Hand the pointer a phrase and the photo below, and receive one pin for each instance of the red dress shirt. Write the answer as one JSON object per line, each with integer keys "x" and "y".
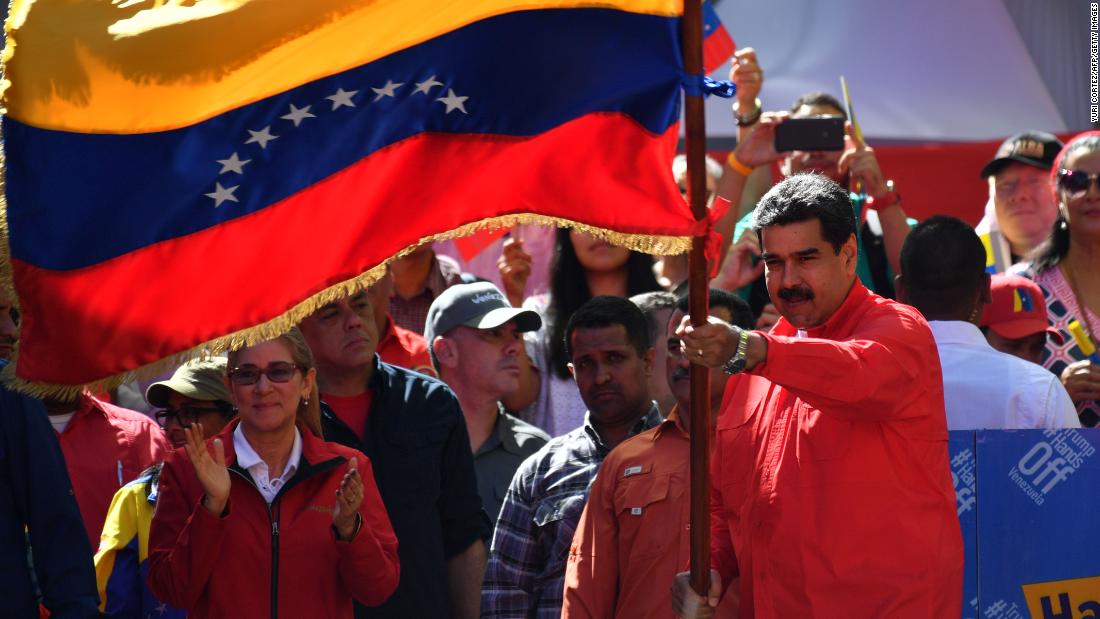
{"x": 832, "y": 492}
{"x": 405, "y": 348}
{"x": 105, "y": 447}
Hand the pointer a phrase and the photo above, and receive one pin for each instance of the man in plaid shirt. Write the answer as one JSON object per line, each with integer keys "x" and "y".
{"x": 608, "y": 343}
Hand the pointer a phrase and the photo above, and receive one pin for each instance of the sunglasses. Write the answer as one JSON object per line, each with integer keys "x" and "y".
{"x": 1076, "y": 182}
{"x": 185, "y": 415}
{"x": 278, "y": 372}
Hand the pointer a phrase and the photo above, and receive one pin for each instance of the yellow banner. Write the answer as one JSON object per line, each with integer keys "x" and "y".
{"x": 1078, "y": 598}
{"x": 133, "y": 66}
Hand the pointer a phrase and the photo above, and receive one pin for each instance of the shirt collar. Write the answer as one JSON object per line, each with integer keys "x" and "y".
{"x": 503, "y": 435}
{"x": 673, "y": 421}
{"x": 650, "y": 420}
{"x": 956, "y": 332}
{"x": 388, "y": 333}
{"x": 247, "y": 458}
{"x": 506, "y": 432}
{"x": 87, "y": 404}
{"x": 843, "y": 314}
{"x": 500, "y": 435}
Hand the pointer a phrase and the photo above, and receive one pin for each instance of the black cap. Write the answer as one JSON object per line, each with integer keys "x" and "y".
{"x": 1033, "y": 148}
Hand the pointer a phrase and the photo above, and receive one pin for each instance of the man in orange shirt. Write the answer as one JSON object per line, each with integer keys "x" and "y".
{"x": 634, "y": 534}
{"x": 831, "y": 489}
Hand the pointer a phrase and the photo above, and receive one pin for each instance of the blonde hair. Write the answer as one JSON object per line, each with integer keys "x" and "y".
{"x": 309, "y": 412}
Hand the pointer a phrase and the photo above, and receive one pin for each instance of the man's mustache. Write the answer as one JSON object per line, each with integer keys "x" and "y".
{"x": 796, "y": 294}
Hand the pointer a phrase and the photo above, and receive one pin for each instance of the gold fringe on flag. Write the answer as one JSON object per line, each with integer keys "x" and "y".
{"x": 649, "y": 244}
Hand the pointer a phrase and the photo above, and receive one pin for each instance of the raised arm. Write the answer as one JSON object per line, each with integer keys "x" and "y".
{"x": 189, "y": 523}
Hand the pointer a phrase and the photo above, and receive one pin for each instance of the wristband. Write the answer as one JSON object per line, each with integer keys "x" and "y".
{"x": 890, "y": 198}
{"x": 749, "y": 119}
{"x": 736, "y": 164}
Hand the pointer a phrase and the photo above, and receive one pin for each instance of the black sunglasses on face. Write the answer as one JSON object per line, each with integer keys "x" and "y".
{"x": 278, "y": 372}
{"x": 184, "y": 415}
{"x": 1076, "y": 182}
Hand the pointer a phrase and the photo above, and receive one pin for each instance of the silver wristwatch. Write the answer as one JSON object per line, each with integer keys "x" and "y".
{"x": 736, "y": 363}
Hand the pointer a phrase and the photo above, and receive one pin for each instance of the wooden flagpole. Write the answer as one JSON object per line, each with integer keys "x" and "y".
{"x": 695, "y": 145}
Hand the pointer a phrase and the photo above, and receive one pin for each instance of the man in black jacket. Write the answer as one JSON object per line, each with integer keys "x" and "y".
{"x": 412, "y": 429}
{"x": 37, "y": 503}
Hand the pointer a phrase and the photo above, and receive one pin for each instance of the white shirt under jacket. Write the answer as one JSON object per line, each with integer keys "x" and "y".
{"x": 248, "y": 459}
{"x": 987, "y": 389}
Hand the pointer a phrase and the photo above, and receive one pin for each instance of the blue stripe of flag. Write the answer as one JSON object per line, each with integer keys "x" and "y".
{"x": 75, "y": 200}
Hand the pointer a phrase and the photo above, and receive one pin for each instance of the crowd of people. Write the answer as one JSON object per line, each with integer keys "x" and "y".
{"x": 440, "y": 445}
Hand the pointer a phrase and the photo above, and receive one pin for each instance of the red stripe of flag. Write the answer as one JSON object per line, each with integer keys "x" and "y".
{"x": 718, "y": 45}
{"x": 177, "y": 294}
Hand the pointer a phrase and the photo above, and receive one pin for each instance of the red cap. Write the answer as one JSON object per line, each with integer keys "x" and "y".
{"x": 1018, "y": 309}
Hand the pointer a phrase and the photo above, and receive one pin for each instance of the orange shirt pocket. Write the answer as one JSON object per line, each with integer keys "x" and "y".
{"x": 646, "y": 513}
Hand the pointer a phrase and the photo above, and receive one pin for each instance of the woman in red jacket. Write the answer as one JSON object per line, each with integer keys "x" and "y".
{"x": 268, "y": 520}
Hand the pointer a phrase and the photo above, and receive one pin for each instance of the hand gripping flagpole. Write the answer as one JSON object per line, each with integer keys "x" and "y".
{"x": 695, "y": 145}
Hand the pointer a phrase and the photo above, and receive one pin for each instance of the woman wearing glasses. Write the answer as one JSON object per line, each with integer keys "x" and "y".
{"x": 196, "y": 394}
{"x": 1067, "y": 268}
{"x": 267, "y": 519}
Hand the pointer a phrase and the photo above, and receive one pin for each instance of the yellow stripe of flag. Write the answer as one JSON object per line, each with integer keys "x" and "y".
{"x": 135, "y": 66}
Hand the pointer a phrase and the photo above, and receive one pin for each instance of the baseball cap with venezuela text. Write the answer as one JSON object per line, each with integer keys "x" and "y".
{"x": 1033, "y": 148}
{"x": 480, "y": 305}
{"x": 1017, "y": 309}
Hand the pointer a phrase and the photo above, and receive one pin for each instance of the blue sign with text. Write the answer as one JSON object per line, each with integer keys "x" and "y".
{"x": 1027, "y": 502}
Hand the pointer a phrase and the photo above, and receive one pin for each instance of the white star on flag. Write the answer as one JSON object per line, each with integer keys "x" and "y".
{"x": 426, "y": 85}
{"x": 223, "y": 194}
{"x": 342, "y": 98}
{"x": 261, "y": 137}
{"x": 389, "y": 90}
{"x": 297, "y": 114}
{"x": 233, "y": 164}
{"x": 453, "y": 102}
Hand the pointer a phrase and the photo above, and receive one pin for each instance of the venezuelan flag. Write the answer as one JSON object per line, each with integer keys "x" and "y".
{"x": 181, "y": 175}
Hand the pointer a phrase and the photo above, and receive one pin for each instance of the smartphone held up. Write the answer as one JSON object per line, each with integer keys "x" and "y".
{"x": 810, "y": 134}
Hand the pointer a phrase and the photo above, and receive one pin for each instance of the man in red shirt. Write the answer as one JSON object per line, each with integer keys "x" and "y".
{"x": 397, "y": 345}
{"x": 105, "y": 446}
{"x": 831, "y": 490}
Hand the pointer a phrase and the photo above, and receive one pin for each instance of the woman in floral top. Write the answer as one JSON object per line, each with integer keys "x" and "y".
{"x": 1067, "y": 268}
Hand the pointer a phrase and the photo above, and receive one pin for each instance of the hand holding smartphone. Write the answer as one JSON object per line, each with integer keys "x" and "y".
{"x": 809, "y": 134}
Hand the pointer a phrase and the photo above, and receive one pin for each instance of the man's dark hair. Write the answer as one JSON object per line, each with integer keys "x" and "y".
{"x": 608, "y": 311}
{"x": 651, "y": 303}
{"x": 803, "y": 197}
{"x": 812, "y": 99}
{"x": 943, "y": 267}
{"x": 740, "y": 312}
